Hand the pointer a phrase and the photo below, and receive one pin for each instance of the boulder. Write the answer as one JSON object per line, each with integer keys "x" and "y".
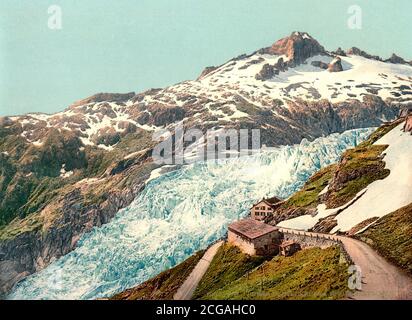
{"x": 267, "y": 72}
{"x": 320, "y": 64}
{"x": 335, "y": 65}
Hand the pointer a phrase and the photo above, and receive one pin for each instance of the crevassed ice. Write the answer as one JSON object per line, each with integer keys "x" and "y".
{"x": 176, "y": 215}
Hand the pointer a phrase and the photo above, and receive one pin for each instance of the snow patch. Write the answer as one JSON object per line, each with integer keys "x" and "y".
{"x": 384, "y": 196}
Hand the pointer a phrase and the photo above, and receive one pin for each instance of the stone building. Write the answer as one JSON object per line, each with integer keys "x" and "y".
{"x": 288, "y": 248}
{"x": 255, "y": 237}
{"x": 265, "y": 208}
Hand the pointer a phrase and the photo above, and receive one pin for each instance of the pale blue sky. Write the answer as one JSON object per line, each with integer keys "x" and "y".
{"x": 125, "y": 45}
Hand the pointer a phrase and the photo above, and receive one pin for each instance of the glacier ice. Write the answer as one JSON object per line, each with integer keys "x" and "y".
{"x": 176, "y": 215}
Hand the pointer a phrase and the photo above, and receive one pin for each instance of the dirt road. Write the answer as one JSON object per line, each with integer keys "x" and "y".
{"x": 380, "y": 279}
{"x": 185, "y": 292}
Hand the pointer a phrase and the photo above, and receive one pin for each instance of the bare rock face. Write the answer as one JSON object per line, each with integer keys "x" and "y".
{"x": 339, "y": 52}
{"x": 405, "y": 111}
{"x": 107, "y": 136}
{"x": 165, "y": 114}
{"x": 335, "y": 65}
{"x": 408, "y": 124}
{"x": 267, "y": 72}
{"x": 206, "y": 71}
{"x": 396, "y": 59}
{"x": 281, "y": 65}
{"x": 283, "y": 214}
{"x": 359, "y": 52}
{"x": 110, "y": 97}
{"x": 5, "y": 121}
{"x": 325, "y": 225}
{"x": 320, "y": 64}
{"x": 298, "y": 47}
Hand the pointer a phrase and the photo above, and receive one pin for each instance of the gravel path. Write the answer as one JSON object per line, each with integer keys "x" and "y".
{"x": 380, "y": 279}
{"x": 185, "y": 292}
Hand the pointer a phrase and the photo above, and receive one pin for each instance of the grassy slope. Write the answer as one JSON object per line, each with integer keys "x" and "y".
{"x": 309, "y": 274}
{"x": 164, "y": 285}
{"x": 391, "y": 236}
{"x": 308, "y": 196}
{"x": 228, "y": 265}
{"x": 359, "y": 158}
{"x": 363, "y": 163}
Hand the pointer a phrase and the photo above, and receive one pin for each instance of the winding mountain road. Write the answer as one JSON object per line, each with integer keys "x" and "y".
{"x": 380, "y": 279}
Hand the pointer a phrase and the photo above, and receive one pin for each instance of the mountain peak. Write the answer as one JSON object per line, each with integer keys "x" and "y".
{"x": 297, "y": 47}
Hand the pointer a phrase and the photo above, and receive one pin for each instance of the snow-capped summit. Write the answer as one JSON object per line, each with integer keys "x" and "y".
{"x": 297, "y": 47}
{"x": 293, "y": 89}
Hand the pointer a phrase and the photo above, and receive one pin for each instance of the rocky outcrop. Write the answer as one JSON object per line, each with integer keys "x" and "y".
{"x": 325, "y": 225}
{"x": 110, "y": 97}
{"x": 267, "y": 72}
{"x": 206, "y": 71}
{"x": 408, "y": 124}
{"x": 281, "y": 65}
{"x": 320, "y": 64}
{"x": 396, "y": 59}
{"x": 339, "y": 52}
{"x": 359, "y": 52}
{"x": 285, "y": 213}
{"x": 405, "y": 111}
{"x": 365, "y": 170}
{"x": 162, "y": 115}
{"x": 298, "y": 47}
{"x": 335, "y": 65}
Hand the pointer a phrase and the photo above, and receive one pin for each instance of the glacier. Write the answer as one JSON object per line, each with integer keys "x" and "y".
{"x": 177, "y": 214}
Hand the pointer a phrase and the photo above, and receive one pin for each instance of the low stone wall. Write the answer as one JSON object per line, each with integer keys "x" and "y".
{"x": 310, "y": 239}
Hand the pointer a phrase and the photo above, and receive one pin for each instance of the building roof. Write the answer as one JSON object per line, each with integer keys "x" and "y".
{"x": 270, "y": 201}
{"x": 287, "y": 243}
{"x": 251, "y": 228}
